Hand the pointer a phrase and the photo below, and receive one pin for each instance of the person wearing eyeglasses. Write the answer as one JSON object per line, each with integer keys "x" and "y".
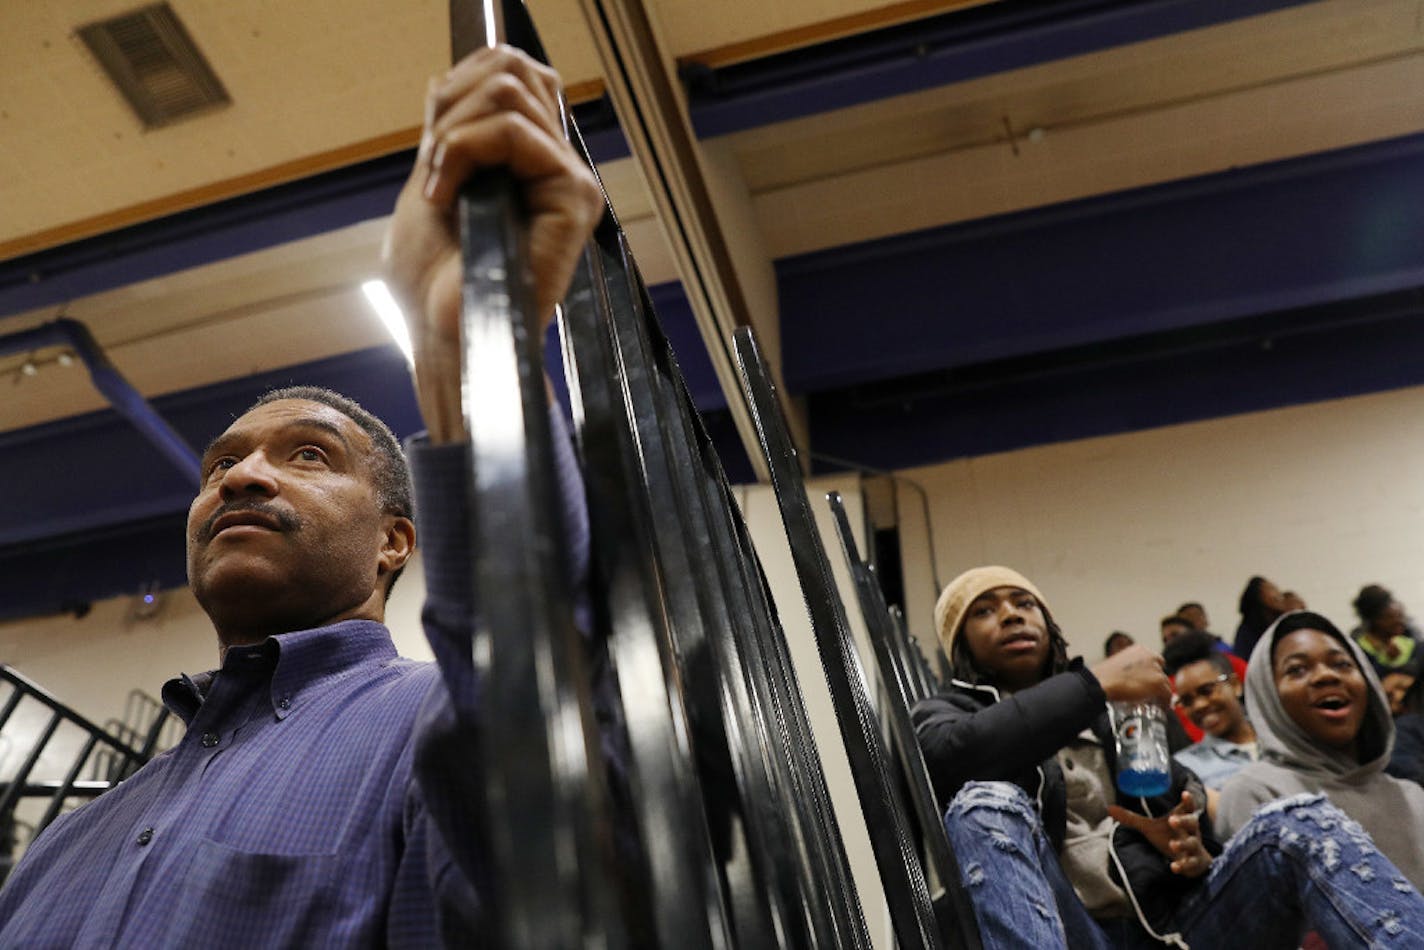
{"x": 1208, "y": 693}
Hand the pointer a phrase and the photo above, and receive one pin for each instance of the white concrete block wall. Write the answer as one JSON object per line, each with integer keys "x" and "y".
{"x": 1117, "y": 531}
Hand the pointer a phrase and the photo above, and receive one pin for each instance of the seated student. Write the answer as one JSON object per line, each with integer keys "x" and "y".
{"x": 1261, "y": 604}
{"x": 1397, "y": 687}
{"x": 1117, "y": 641}
{"x": 1209, "y": 694}
{"x": 1324, "y": 726}
{"x": 1195, "y": 614}
{"x": 1175, "y": 626}
{"x": 1053, "y": 856}
{"x": 1407, "y": 759}
{"x": 1385, "y": 634}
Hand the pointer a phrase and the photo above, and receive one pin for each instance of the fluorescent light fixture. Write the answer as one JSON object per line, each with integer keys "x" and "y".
{"x": 386, "y": 308}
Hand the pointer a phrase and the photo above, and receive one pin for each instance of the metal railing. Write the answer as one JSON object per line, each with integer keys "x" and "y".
{"x": 112, "y": 758}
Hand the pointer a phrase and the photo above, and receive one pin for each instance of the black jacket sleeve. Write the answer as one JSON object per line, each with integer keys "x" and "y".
{"x": 1407, "y": 762}
{"x": 1004, "y": 740}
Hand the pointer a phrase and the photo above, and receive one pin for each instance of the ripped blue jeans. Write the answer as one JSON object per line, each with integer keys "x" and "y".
{"x": 1299, "y": 864}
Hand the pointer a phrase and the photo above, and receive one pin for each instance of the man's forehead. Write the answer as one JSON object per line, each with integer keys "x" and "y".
{"x": 997, "y": 593}
{"x": 283, "y": 414}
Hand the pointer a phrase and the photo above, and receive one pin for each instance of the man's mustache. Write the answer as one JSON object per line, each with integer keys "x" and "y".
{"x": 283, "y": 519}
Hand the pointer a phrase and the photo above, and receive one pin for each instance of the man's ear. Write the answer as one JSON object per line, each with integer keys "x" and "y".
{"x": 398, "y": 544}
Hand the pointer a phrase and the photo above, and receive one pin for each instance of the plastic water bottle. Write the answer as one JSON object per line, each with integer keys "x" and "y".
{"x": 1142, "y": 756}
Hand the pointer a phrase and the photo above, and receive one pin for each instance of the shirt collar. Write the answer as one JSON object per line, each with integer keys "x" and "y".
{"x": 295, "y": 662}
{"x": 1222, "y": 747}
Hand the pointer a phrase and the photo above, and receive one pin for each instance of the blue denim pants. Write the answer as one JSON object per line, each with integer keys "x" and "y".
{"x": 1299, "y": 864}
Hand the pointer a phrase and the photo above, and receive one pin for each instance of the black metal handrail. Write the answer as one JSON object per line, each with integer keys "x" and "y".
{"x": 726, "y": 833}
{"x": 902, "y": 669}
{"x": 126, "y": 757}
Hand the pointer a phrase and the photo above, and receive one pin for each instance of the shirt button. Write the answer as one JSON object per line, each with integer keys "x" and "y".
{"x": 145, "y": 836}
{"x": 210, "y": 739}
{"x": 284, "y": 703}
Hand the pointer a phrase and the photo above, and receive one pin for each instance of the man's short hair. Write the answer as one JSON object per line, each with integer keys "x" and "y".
{"x": 1189, "y": 605}
{"x": 1177, "y": 620}
{"x": 390, "y": 470}
{"x": 1194, "y": 647}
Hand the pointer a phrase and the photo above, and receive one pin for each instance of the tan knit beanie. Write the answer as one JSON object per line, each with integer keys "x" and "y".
{"x": 960, "y": 593}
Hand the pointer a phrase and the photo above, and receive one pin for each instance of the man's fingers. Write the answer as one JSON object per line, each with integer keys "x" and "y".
{"x": 495, "y": 93}
{"x": 1193, "y": 866}
{"x": 1189, "y": 858}
{"x": 479, "y": 66}
{"x": 487, "y": 81}
{"x": 509, "y": 139}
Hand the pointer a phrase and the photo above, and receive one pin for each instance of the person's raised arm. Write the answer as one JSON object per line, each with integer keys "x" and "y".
{"x": 1134, "y": 675}
{"x": 497, "y": 107}
{"x": 1007, "y": 738}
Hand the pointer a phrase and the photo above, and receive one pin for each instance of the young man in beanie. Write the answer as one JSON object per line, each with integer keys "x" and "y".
{"x": 1021, "y": 746}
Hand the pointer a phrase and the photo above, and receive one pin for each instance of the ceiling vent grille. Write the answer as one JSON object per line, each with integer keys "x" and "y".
{"x": 152, "y": 59}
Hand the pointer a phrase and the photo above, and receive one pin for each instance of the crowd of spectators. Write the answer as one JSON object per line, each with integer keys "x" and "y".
{"x": 1389, "y": 643}
{"x": 1297, "y": 774}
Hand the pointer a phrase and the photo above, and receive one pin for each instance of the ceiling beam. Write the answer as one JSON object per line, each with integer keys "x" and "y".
{"x": 700, "y": 200}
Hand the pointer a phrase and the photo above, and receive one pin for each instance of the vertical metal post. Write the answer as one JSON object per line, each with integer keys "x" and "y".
{"x": 906, "y": 890}
{"x": 899, "y": 684}
{"x": 684, "y": 893}
{"x": 545, "y": 812}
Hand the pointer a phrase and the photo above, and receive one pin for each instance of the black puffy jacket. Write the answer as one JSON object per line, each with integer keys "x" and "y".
{"x": 968, "y": 733}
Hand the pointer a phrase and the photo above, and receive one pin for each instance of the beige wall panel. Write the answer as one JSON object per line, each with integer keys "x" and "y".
{"x": 1117, "y": 531}
{"x": 305, "y": 76}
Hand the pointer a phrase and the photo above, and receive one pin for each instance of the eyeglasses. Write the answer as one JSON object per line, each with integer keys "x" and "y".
{"x": 1203, "y": 692}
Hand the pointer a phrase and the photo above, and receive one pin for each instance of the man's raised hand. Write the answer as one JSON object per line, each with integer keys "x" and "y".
{"x": 1134, "y": 674}
{"x": 1177, "y": 835}
{"x": 497, "y": 107}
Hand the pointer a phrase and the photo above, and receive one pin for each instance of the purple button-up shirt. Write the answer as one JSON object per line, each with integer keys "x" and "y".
{"x": 298, "y": 810}
{"x": 278, "y": 820}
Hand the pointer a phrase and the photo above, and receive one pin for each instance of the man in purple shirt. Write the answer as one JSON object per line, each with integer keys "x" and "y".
{"x": 304, "y": 806}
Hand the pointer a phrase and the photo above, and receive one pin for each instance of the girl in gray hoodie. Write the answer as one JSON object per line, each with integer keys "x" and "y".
{"x": 1323, "y": 725}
